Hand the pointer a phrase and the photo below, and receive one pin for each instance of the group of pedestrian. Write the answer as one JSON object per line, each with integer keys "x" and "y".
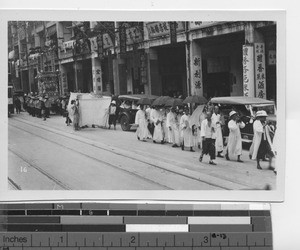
{"x": 174, "y": 126}
{"x": 38, "y": 106}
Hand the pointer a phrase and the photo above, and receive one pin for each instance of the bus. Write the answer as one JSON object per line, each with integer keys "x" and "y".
{"x": 10, "y": 100}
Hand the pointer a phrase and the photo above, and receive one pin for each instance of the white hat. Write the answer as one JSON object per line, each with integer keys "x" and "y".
{"x": 113, "y": 102}
{"x": 232, "y": 113}
{"x": 261, "y": 113}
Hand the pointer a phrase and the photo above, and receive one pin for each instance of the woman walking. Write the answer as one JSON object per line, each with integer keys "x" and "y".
{"x": 75, "y": 112}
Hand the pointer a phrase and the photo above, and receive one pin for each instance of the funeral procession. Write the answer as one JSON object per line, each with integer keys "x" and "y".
{"x": 96, "y": 105}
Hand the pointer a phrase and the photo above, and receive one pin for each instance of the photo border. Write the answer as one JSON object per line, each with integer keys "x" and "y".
{"x": 113, "y": 15}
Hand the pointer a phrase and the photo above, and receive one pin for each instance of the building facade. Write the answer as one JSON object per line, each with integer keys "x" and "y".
{"x": 159, "y": 58}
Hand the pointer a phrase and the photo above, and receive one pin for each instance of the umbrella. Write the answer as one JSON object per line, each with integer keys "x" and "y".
{"x": 195, "y": 99}
{"x": 144, "y": 101}
{"x": 160, "y": 101}
{"x": 173, "y": 102}
{"x": 195, "y": 117}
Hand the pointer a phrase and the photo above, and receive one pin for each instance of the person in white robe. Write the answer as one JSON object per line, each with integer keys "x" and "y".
{"x": 234, "y": 146}
{"x": 208, "y": 134}
{"x": 150, "y": 125}
{"x": 187, "y": 132}
{"x": 172, "y": 124}
{"x": 216, "y": 119}
{"x": 157, "y": 118}
{"x": 164, "y": 125}
{"x": 262, "y": 145}
{"x": 141, "y": 121}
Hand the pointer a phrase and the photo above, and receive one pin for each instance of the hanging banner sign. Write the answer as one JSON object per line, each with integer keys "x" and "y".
{"x": 107, "y": 41}
{"x": 156, "y": 29}
{"x": 143, "y": 69}
{"x": 260, "y": 70}
{"x": 248, "y": 71}
{"x": 122, "y": 38}
{"x": 173, "y": 32}
{"x": 133, "y": 35}
{"x": 99, "y": 42}
{"x": 68, "y": 45}
{"x": 94, "y": 44}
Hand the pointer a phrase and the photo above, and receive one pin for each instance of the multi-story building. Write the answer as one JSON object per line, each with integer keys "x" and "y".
{"x": 160, "y": 58}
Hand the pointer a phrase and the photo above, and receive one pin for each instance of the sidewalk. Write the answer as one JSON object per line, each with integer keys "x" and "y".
{"x": 231, "y": 174}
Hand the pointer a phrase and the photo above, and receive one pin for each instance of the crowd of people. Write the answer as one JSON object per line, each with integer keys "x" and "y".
{"x": 175, "y": 126}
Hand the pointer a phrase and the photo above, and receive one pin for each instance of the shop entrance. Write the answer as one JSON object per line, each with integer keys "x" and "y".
{"x": 217, "y": 84}
{"x": 70, "y": 76}
{"x": 172, "y": 70}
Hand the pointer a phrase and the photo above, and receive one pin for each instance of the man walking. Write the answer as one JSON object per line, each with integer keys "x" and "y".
{"x": 187, "y": 132}
{"x": 234, "y": 146}
{"x": 208, "y": 136}
{"x": 216, "y": 119}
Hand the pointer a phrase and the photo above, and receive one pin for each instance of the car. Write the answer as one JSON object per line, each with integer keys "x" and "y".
{"x": 246, "y": 107}
{"x": 127, "y": 107}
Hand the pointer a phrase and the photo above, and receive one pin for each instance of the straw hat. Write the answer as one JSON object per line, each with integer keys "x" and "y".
{"x": 232, "y": 113}
{"x": 113, "y": 102}
{"x": 261, "y": 113}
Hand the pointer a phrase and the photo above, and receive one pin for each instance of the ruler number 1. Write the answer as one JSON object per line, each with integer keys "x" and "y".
{"x": 132, "y": 239}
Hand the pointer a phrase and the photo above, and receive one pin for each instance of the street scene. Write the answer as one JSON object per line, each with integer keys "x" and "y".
{"x": 142, "y": 105}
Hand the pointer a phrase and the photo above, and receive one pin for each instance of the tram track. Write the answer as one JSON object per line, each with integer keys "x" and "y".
{"x": 61, "y": 133}
{"x": 39, "y": 169}
{"x": 80, "y": 153}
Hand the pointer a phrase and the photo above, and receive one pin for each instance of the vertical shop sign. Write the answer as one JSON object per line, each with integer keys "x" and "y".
{"x": 272, "y": 57}
{"x": 197, "y": 72}
{"x": 97, "y": 76}
{"x": 100, "y": 46}
{"x": 143, "y": 69}
{"x": 173, "y": 32}
{"x": 248, "y": 71}
{"x": 110, "y": 66}
{"x": 122, "y": 37}
{"x": 260, "y": 70}
{"x": 136, "y": 62}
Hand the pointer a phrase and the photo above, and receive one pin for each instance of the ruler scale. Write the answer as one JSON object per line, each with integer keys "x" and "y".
{"x": 84, "y": 226}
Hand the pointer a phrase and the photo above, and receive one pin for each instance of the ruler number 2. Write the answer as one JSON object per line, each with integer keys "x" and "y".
{"x": 132, "y": 239}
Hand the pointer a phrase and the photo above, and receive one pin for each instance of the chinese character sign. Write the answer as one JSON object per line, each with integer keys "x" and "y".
{"x": 197, "y": 80}
{"x": 248, "y": 71}
{"x": 156, "y": 29}
{"x": 260, "y": 70}
{"x": 107, "y": 41}
{"x": 272, "y": 57}
{"x": 97, "y": 76}
{"x": 133, "y": 35}
{"x": 94, "y": 44}
{"x": 199, "y": 24}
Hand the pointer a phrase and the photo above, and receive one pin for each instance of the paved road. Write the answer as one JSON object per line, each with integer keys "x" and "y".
{"x": 47, "y": 155}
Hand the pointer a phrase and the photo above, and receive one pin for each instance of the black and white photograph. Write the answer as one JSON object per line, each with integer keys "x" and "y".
{"x": 145, "y": 105}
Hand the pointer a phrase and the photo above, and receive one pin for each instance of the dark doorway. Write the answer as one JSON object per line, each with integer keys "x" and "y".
{"x": 87, "y": 85}
{"x": 172, "y": 85}
{"x": 217, "y": 84}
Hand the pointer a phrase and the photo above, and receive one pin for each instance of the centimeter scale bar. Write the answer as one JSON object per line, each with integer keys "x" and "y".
{"x": 84, "y": 226}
